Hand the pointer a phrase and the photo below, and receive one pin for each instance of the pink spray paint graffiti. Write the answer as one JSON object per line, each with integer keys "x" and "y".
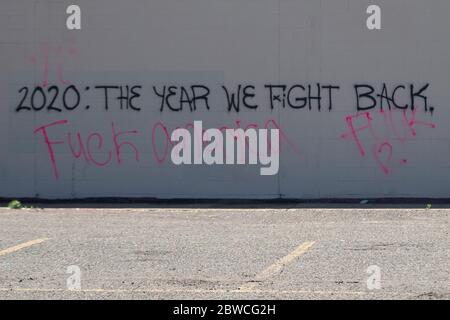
{"x": 383, "y": 147}
{"x": 50, "y": 56}
{"x": 104, "y": 149}
{"x": 86, "y": 148}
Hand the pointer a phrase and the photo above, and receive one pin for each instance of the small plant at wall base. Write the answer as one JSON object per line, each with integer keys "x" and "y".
{"x": 15, "y": 204}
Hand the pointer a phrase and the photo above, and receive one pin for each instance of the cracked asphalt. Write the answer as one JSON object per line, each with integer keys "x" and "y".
{"x": 206, "y": 252}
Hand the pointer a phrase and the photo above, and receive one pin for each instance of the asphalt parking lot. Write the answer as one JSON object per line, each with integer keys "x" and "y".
{"x": 286, "y": 252}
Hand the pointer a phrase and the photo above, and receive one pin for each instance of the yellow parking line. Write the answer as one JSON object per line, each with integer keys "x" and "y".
{"x": 184, "y": 290}
{"x": 278, "y": 266}
{"x": 22, "y": 246}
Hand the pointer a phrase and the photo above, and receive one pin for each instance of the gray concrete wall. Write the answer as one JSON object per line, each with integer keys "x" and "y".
{"x": 215, "y": 43}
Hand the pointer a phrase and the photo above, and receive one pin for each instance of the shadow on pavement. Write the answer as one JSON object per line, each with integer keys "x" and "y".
{"x": 395, "y": 203}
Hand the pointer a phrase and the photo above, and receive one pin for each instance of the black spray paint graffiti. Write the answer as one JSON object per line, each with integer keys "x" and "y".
{"x": 295, "y": 96}
{"x": 176, "y": 98}
{"x": 57, "y": 99}
{"x": 197, "y": 97}
{"x": 242, "y": 95}
{"x": 367, "y": 99}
